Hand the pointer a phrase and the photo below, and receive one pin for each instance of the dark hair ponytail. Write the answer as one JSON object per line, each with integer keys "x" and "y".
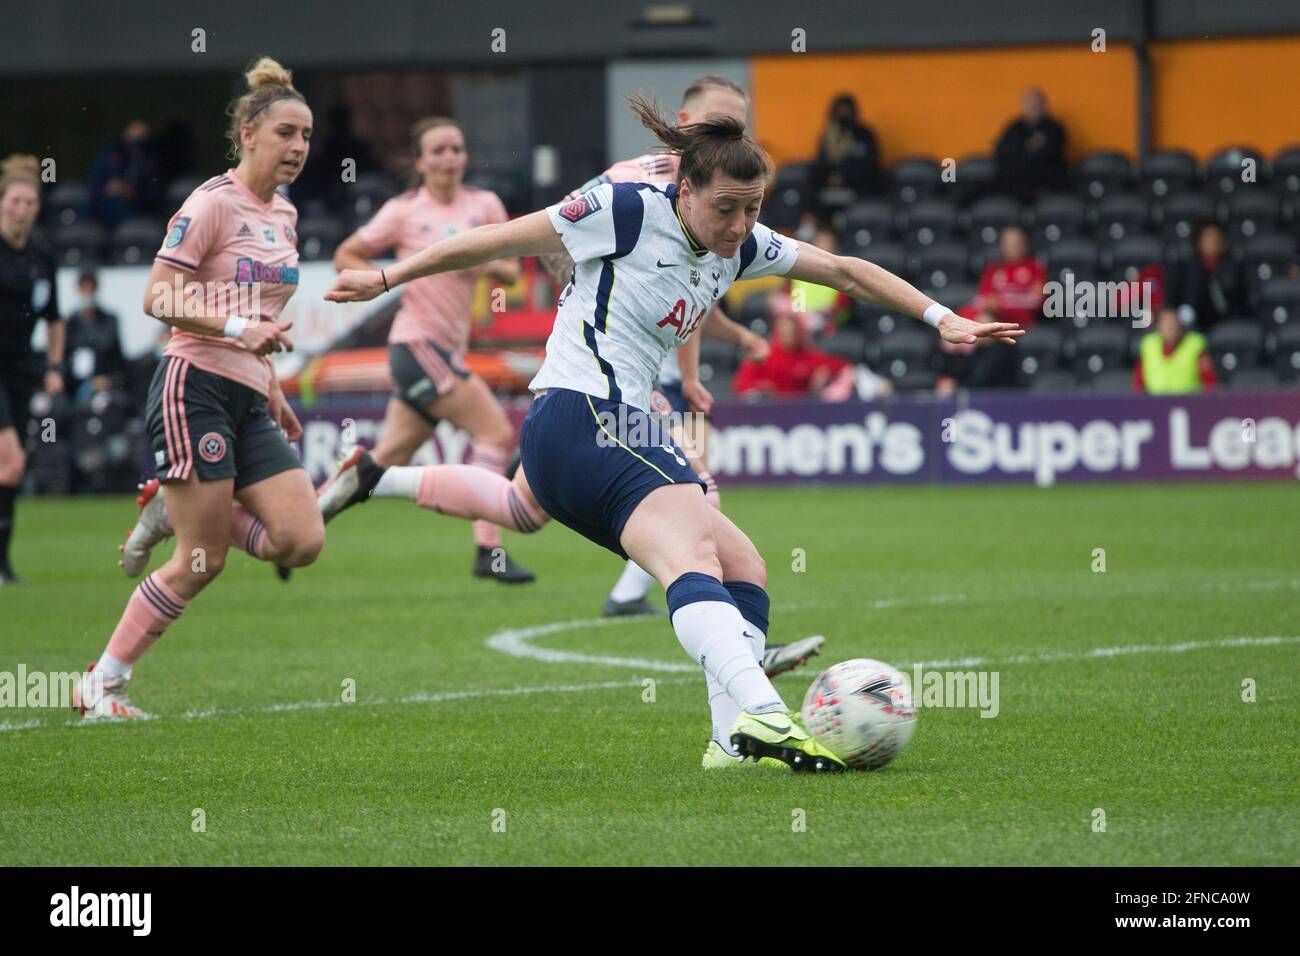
{"x": 717, "y": 144}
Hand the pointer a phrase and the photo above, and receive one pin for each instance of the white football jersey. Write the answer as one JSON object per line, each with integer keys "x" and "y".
{"x": 641, "y": 286}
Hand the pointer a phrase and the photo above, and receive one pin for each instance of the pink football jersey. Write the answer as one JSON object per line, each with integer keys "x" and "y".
{"x": 243, "y": 251}
{"x": 433, "y": 307}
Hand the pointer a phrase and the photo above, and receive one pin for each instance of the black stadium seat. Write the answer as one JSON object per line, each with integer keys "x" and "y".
{"x": 179, "y": 190}
{"x": 1058, "y": 216}
{"x": 718, "y": 360}
{"x": 1224, "y": 171}
{"x": 135, "y": 241}
{"x": 954, "y": 295}
{"x": 1252, "y": 212}
{"x": 887, "y": 255}
{"x": 1120, "y": 215}
{"x": 1103, "y": 172}
{"x": 754, "y": 314}
{"x": 1179, "y": 215}
{"x": 1286, "y": 173}
{"x": 1264, "y": 257}
{"x": 65, "y": 203}
{"x": 1132, "y": 254}
{"x": 907, "y": 349}
{"x": 1169, "y": 171}
{"x": 1279, "y": 300}
{"x": 1100, "y": 346}
{"x": 79, "y": 243}
{"x": 1077, "y": 255}
{"x": 940, "y": 265}
{"x": 1111, "y": 381}
{"x": 847, "y": 344}
{"x": 1237, "y": 343}
{"x": 989, "y": 216}
{"x": 1052, "y": 381}
{"x": 317, "y": 237}
{"x": 866, "y": 221}
{"x": 915, "y": 177}
{"x": 1259, "y": 378}
{"x": 1286, "y": 352}
{"x": 977, "y": 175}
{"x": 928, "y": 221}
{"x": 1041, "y": 350}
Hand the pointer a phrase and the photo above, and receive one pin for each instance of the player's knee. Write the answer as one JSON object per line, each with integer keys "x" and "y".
{"x": 199, "y": 564}
{"x": 303, "y": 546}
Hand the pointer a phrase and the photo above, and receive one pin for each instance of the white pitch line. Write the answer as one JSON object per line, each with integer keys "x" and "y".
{"x": 1096, "y": 652}
{"x": 515, "y": 642}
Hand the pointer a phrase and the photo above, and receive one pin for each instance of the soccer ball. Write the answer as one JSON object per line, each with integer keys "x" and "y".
{"x": 862, "y": 711}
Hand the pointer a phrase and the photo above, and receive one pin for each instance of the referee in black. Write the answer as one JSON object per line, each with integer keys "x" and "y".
{"x": 27, "y": 294}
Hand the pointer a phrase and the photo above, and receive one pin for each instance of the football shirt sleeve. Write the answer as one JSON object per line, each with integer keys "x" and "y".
{"x": 192, "y": 232}
{"x": 384, "y": 230}
{"x": 766, "y": 253}
{"x": 586, "y": 224}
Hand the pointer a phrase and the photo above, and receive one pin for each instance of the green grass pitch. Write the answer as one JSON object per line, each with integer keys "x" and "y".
{"x": 449, "y": 736}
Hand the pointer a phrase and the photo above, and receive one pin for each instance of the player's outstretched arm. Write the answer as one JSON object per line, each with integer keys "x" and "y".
{"x": 867, "y": 281}
{"x": 531, "y": 235}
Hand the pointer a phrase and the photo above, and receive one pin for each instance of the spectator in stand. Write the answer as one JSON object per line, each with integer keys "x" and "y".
{"x": 1031, "y": 150}
{"x": 1010, "y": 289}
{"x": 824, "y": 308}
{"x": 1173, "y": 360}
{"x": 1208, "y": 287}
{"x": 793, "y": 366}
{"x": 94, "y": 354}
{"x": 847, "y": 155}
{"x": 124, "y": 180}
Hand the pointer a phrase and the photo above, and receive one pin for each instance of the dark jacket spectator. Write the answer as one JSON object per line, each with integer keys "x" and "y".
{"x": 93, "y": 352}
{"x": 1031, "y": 151}
{"x": 124, "y": 181}
{"x": 1208, "y": 287}
{"x": 847, "y": 155}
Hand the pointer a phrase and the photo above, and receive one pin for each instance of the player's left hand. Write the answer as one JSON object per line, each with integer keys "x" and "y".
{"x": 954, "y": 328}
{"x": 697, "y": 396}
{"x": 355, "y": 285}
{"x": 755, "y": 348}
{"x": 53, "y": 383}
{"x": 282, "y": 414}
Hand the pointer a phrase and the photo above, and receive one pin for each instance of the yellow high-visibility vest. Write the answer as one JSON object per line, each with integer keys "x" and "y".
{"x": 1177, "y": 373}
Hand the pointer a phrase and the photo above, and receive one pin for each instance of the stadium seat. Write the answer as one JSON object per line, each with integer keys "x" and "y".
{"x": 1042, "y": 349}
{"x": 1286, "y": 173}
{"x": 1126, "y": 258}
{"x": 1260, "y": 377}
{"x": 989, "y": 216}
{"x": 1101, "y": 346}
{"x": 1052, "y": 381}
{"x": 940, "y": 265}
{"x": 1179, "y": 215}
{"x": 1077, "y": 255}
{"x": 79, "y": 243}
{"x": 1286, "y": 352}
{"x": 866, "y": 221}
{"x": 786, "y": 207}
{"x": 1223, "y": 173}
{"x": 979, "y": 254}
{"x": 1279, "y": 300}
{"x": 367, "y": 194}
{"x": 954, "y": 295}
{"x": 848, "y": 344}
{"x": 916, "y": 381}
{"x": 1101, "y": 173}
{"x": 1264, "y": 257}
{"x": 1237, "y": 343}
{"x": 65, "y": 203}
{"x": 179, "y": 190}
{"x": 1111, "y": 381}
{"x": 928, "y": 221}
{"x": 1056, "y": 217}
{"x": 1169, "y": 171}
{"x": 754, "y": 314}
{"x": 1120, "y": 215}
{"x": 914, "y": 177}
{"x": 135, "y": 241}
{"x": 317, "y": 238}
{"x": 1251, "y": 212}
{"x": 976, "y": 176}
{"x": 798, "y": 175}
{"x": 720, "y": 358}
{"x": 902, "y": 346}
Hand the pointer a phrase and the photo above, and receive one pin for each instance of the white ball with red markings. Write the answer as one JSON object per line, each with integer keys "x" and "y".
{"x": 862, "y": 711}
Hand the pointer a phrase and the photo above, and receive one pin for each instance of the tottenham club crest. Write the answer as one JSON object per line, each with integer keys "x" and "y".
{"x": 212, "y": 447}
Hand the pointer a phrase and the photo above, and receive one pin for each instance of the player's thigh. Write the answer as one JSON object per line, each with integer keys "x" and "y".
{"x": 404, "y": 431}
{"x": 670, "y": 533}
{"x": 471, "y": 405}
{"x": 286, "y": 504}
{"x": 739, "y": 558}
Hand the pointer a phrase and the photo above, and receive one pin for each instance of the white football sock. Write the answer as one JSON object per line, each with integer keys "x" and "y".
{"x": 721, "y": 706}
{"x": 399, "y": 481}
{"x": 633, "y": 584}
{"x": 111, "y": 669}
{"x": 711, "y": 632}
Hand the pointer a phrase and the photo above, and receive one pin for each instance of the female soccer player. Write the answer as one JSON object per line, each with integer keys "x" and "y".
{"x": 27, "y": 293}
{"x": 650, "y": 260}
{"x": 215, "y": 410}
{"x": 430, "y": 335}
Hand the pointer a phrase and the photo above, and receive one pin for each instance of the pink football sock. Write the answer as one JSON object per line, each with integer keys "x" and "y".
{"x": 247, "y": 533}
{"x": 152, "y": 607}
{"x": 469, "y": 492}
{"x": 487, "y": 534}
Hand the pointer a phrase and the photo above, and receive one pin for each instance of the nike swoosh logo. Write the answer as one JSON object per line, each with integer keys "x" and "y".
{"x": 664, "y": 265}
{"x": 777, "y": 730}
